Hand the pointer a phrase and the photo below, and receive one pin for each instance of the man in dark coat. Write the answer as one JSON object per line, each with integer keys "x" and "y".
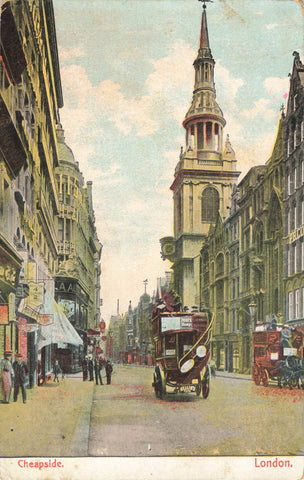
{"x": 109, "y": 370}
{"x": 91, "y": 368}
{"x": 84, "y": 365}
{"x": 20, "y": 377}
{"x": 97, "y": 371}
{"x": 56, "y": 371}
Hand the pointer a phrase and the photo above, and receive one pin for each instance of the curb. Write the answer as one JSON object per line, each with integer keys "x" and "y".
{"x": 82, "y": 430}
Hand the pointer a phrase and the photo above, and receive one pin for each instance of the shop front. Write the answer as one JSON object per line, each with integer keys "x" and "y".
{"x": 10, "y": 265}
{"x": 57, "y": 340}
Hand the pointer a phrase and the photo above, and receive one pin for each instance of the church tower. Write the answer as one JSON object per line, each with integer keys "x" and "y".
{"x": 204, "y": 176}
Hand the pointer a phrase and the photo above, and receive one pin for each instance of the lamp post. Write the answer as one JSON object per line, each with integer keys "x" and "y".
{"x": 109, "y": 344}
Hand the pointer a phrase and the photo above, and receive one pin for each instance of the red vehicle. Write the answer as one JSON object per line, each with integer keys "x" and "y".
{"x": 278, "y": 355}
{"x": 181, "y": 343}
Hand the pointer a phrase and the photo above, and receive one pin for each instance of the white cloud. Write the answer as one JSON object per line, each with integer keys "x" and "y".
{"x": 262, "y": 107}
{"x": 229, "y": 85}
{"x": 271, "y": 26}
{"x": 72, "y": 53}
{"x": 169, "y": 87}
{"x": 125, "y": 113}
{"x": 76, "y": 84}
{"x": 171, "y": 83}
{"x": 276, "y": 86}
{"x": 168, "y": 91}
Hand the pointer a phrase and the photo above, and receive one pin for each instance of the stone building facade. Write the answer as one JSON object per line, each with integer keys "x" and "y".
{"x": 203, "y": 179}
{"x": 294, "y": 196}
{"x": 30, "y": 203}
{"x": 242, "y": 261}
{"x": 77, "y": 281}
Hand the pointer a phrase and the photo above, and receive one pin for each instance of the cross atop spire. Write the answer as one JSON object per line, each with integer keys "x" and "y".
{"x": 204, "y": 46}
{"x": 205, "y": 1}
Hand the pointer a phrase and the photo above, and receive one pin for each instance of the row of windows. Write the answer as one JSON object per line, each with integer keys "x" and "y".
{"x": 295, "y": 216}
{"x": 295, "y": 177}
{"x": 296, "y": 304}
{"x": 295, "y": 135}
{"x": 233, "y": 232}
{"x": 295, "y": 258}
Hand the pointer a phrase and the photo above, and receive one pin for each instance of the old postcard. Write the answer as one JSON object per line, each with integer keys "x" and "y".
{"x": 151, "y": 239}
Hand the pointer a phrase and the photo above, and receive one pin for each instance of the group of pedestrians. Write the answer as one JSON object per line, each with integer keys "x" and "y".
{"x": 95, "y": 366}
{"x": 13, "y": 376}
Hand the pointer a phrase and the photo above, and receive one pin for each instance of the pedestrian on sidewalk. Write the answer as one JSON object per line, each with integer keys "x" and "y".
{"x": 20, "y": 377}
{"x": 212, "y": 368}
{"x": 109, "y": 370}
{"x": 56, "y": 371}
{"x": 7, "y": 376}
{"x": 84, "y": 365}
{"x": 91, "y": 368}
{"x": 97, "y": 371}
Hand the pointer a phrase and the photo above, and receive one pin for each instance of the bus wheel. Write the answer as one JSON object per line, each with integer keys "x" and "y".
{"x": 198, "y": 388}
{"x": 265, "y": 377}
{"x": 256, "y": 375}
{"x": 159, "y": 382}
{"x": 206, "y": 382}
{"x": 156, "y": 386}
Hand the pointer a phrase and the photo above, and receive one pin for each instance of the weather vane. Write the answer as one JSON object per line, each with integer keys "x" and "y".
{"x": 205, "y": 1}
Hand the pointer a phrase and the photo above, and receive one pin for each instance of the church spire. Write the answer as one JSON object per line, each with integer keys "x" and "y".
{"x": 204, "y": 121}
{"x": 204, "y": 37}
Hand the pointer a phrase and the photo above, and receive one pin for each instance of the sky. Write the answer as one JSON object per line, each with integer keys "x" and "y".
{"x": 127, "y": 77}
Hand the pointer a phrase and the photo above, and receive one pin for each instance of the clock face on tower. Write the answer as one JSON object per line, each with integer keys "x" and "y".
{"x": 169, "y": 249}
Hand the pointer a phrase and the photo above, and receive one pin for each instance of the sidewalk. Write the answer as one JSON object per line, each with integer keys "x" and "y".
{"x": 54, "y": 422}
{"x": 237, "y": 376}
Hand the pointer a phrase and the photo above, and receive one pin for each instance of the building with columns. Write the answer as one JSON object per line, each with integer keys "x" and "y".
{"x": 203, "y": 179}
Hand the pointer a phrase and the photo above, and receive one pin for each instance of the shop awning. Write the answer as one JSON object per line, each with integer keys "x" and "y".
{"x": 59, "y": 330}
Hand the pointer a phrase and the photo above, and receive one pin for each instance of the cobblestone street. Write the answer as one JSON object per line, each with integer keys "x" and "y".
{"x": 125, "y": 419}
{"x": 60, "y": 429}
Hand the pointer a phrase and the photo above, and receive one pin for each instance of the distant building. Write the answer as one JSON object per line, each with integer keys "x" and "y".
{"x": 77, "y": 280}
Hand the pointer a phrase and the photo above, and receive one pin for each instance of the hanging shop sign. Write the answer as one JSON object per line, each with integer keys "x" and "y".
{"x": 30, "y": 312}
{"x": 44, "y": 319}
{"x": 35, "y": 298}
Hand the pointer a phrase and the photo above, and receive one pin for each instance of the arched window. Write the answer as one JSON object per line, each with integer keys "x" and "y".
{"x": 208, "y": 134}
{"x": 210, "y": 204}
{"x": 259, "y": 241}
{"x": 220, "y": 264}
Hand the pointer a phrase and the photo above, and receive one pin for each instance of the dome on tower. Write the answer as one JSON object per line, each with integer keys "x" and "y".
{"x": 65, "y": 153}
